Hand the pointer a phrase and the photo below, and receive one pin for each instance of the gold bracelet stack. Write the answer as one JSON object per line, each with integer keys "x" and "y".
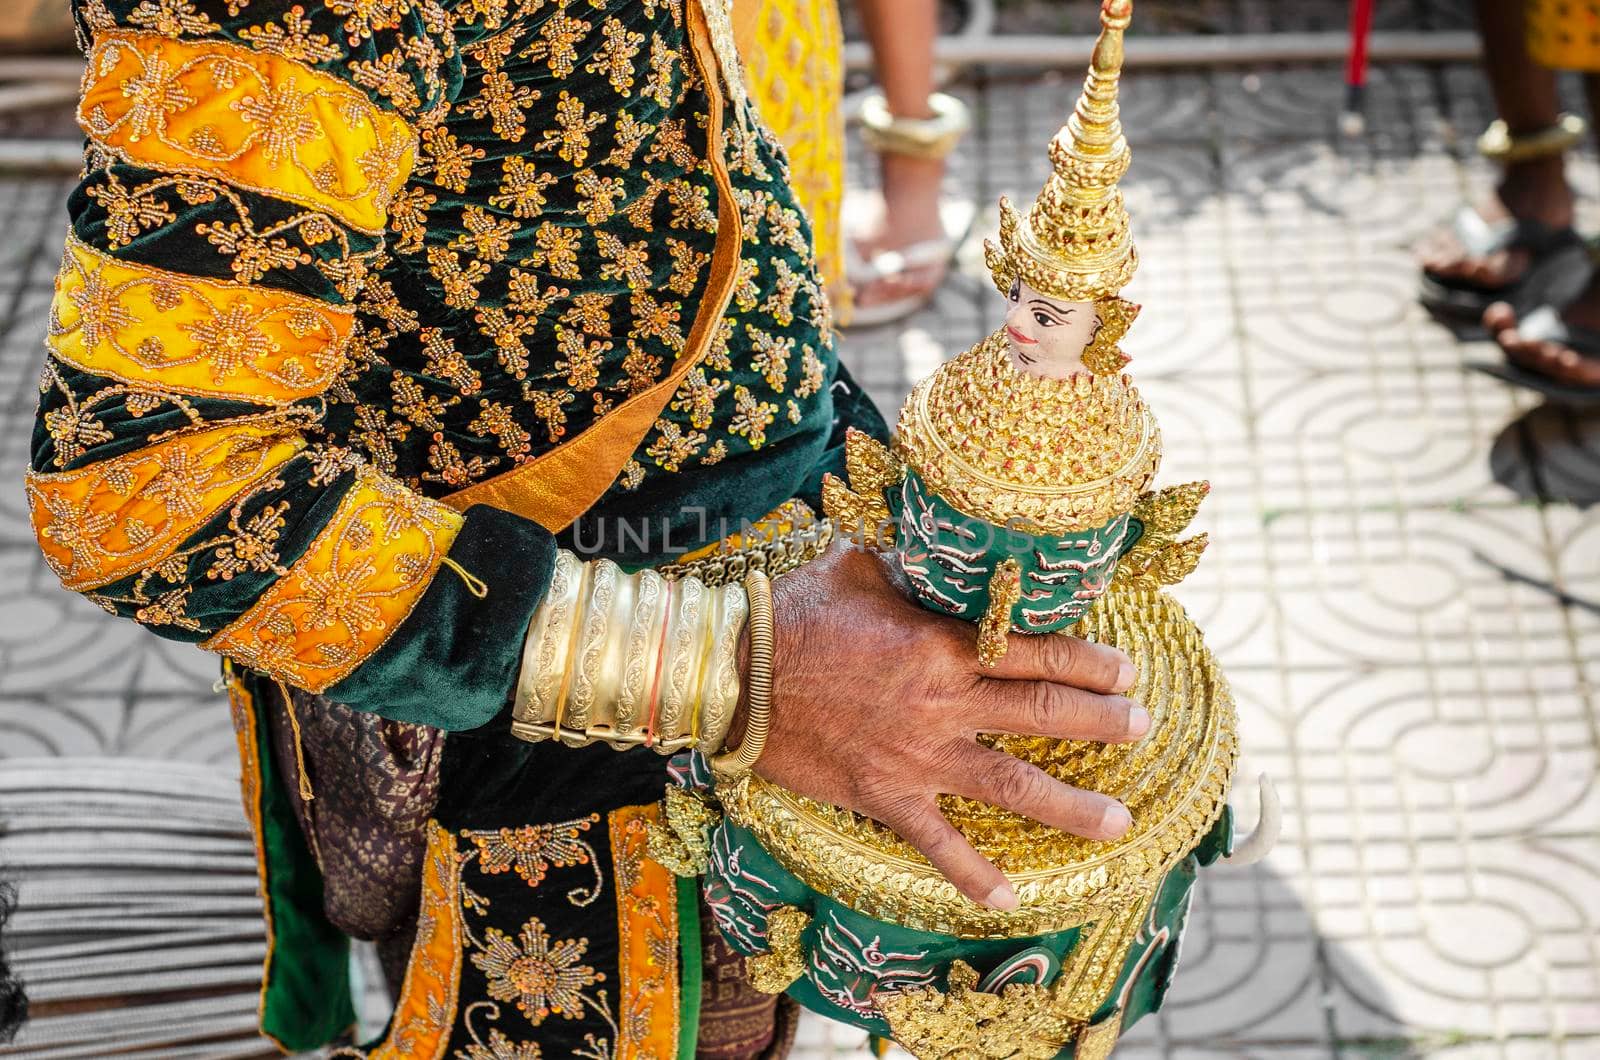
{"x": 758, "y": 683}
{"x": 1498, "y": 145}
{"x": 927, "y": 138}
{"x": 630, "y": 660}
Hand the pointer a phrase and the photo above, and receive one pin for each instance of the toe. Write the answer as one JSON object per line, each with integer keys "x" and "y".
{"x": 1499, "y": 317}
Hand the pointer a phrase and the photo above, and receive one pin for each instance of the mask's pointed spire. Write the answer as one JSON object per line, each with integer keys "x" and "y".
{"x": 1074, "y": 243}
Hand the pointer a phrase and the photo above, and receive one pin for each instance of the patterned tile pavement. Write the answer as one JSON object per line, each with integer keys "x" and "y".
{"x": 1404, "y": 584}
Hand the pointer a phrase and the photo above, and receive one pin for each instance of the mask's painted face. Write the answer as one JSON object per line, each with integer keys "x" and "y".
{"x": 1047, "y": 337}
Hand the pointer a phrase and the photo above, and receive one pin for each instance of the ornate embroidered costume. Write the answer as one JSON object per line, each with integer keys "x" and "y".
{"x": 366, "y": 306}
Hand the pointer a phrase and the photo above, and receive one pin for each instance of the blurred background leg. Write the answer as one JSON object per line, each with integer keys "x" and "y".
{"x": 903, "y": 240}
{"x": 1488, "y": 249}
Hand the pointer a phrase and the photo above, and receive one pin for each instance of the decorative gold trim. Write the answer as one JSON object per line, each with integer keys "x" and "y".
{"x": 1175, "y": 781}
{"x": 172, "y": 333}
{"x": 1024, "y": 1021}
{"x": 775, "y": 971}
{"x": 260, "y": 121}
{"x": 349, "y": 592}
{"x": 125, "y": 514}
{"x": 647, "y": 939}
{"x": 241, "y": 707}
{"x": 430, "y": 994}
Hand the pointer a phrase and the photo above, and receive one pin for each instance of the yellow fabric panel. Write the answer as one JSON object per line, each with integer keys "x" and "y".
{"x": 344, "y": 597}
{"x": 185, "y": 335}
{"x": 793, "y": 52}
{"x": 121, "y": 515}
{"x": 647, "y": 936}
{"x": 259, "y": 121}
{"x": 1564, "y": 34}
{"x": 420, "y": 1029}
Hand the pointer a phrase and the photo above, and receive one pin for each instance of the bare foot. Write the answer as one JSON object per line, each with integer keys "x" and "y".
{"x": 1530, "y": 191}
{"x": 908, "y": 216}
{"x": 1555, "y": 360}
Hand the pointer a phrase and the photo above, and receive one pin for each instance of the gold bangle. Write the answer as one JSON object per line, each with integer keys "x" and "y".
{"x": 681, "y": 647}
{"x": 719, "y": 691}
{"x": 732, "y": 764}
{"x": 1498, "y": 145}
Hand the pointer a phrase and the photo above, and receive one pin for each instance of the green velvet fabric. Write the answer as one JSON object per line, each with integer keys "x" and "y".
{"x": 691, "y": 964}
{"x": 306, "y": 999}
{"x": 123, "y": 420}
{"x": 215, "y": 588}
{"x": 532, "y": 279}
{"x": 305, "y": 260}
{"x": 452, "y": 663}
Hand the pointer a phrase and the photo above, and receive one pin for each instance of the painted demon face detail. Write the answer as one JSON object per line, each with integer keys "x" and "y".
{"x": 949, "y": 559}
{"x": 853, "y": 974}
{"x": 740, "y": 900}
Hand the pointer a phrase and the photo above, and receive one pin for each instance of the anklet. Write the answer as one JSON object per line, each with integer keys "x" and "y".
{"x": 926, "y": 138}
{"x": 1498, "y": 145}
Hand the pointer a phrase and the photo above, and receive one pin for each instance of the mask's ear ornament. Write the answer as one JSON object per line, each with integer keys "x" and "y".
{"x": 1104, "y": 356}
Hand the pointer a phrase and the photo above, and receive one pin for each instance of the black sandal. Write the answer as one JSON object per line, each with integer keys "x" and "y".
{"x": 1457, "y": 296}
{"x": 1544, "y": 324}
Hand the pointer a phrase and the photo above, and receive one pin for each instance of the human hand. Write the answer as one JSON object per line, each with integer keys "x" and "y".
{"x": 878, "y": 703}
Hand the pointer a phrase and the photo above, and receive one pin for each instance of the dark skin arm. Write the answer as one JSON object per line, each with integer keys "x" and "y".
{"x": 878, "y": 703}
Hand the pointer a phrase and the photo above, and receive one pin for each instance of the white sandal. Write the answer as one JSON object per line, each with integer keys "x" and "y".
{"x": 862, "y": 272}
{"x": 930, "y": 138}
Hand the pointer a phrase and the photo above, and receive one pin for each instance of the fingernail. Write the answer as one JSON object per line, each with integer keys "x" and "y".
{"x": 1115, "y": 821}
{"x": 1003, "y": 898}
{"x": 1126, "y": 676}
{"x": 1138, "y": 722}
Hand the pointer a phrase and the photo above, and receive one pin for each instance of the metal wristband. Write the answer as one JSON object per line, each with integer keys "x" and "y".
{"x": 731, "y": 764}
{"x": 629, "y": 660}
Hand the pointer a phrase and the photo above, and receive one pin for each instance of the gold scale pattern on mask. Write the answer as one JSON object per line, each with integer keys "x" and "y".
{"x": 1174, "y": 793}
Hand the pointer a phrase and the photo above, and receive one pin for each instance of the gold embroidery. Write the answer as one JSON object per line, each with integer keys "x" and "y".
{"x": 176, "y": 333}
{"x": 342, "y": 599}
{"x": 292, "y": 40}
{"x": 559, "y": 36}
{"x": 263, "y": 122}
{"x": 541, "y": 977}
{"x": 570, "y": 136}
{"x": 647, "y": 933}
{"x": 505, "y": 104}
{"x": 615, "y": 58}
{"x": 103, "y": 522}
{"x": 533, "y": 850}
{"x": 420, "y": 1029}
{"x": 522, "y": 188}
